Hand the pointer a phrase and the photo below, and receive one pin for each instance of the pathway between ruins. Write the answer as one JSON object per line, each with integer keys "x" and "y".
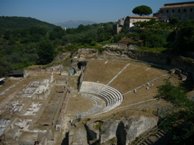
{"x": 142, "y": 85}
{"x": 125, "y": 67}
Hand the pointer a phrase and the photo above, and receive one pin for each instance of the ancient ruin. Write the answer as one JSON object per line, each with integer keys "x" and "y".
{"x": 105, "y": 98}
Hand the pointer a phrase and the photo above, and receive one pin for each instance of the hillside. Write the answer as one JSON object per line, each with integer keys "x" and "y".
{"x": 13, "y": 23}
{"x": 75, "y": 24}
{"x": 25, "y": 41}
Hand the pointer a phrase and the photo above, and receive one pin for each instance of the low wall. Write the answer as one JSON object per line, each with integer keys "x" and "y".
{"x": 184, "y": 63}
{"x": 164, "y": 60}
{"x": 157, "y": 58}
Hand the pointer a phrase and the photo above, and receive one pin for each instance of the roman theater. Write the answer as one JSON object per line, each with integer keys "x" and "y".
{"x": 85, "y": 94}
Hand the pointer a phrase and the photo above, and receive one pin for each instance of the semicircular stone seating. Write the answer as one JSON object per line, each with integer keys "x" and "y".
{"x": 110, "y": 95}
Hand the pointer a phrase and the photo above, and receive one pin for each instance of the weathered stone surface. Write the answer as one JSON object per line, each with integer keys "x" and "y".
{"x": 122, "y": 131}
{"x": 133, "y": 127}
{"x": 130, "y": 127}
{"x": 138, "y": 125}
{"x": 108, "y": 130}
{"x": 78, "y": 136}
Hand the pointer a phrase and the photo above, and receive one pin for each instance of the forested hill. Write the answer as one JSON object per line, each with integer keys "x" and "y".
{"x": 26, "y": 41}
{"x": 13, "y": 23}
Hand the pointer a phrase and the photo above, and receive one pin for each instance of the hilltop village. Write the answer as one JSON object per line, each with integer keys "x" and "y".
{"x": 117, "y": 94}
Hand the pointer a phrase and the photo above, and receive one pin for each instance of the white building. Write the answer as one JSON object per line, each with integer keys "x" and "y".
{"x": 129, "y": 21}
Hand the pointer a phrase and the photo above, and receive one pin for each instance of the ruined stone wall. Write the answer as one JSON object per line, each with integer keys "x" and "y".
{"x": 157, "y": 58}
{"x": 121, "y": 131}
{"x": 184, "y": 63}
{"x": 164, "y": 60}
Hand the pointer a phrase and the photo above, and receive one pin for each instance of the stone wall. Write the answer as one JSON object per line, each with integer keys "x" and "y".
{"x": 168, "y": 61}
{"x": 163, "y": 60}
{"x": 157, "y": 58}
{"x": 184, "y": 63}
{"x": 111, "y": 131}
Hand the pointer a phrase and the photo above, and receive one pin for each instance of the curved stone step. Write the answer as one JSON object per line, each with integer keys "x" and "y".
{"x": 110, "y": 95}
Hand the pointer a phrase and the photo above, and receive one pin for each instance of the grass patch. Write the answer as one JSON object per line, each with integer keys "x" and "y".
{"x": 153, "y": 50}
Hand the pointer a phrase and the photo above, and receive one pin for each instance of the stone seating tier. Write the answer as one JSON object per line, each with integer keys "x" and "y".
{"x": 111, "y": 96}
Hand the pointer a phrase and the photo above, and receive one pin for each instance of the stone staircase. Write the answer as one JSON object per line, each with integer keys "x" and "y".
{"x": 110, "y": 95}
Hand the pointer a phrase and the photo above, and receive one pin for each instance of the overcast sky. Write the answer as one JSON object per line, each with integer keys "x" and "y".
{"x": 56, "y": 11}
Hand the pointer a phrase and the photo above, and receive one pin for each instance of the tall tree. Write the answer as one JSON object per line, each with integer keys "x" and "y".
{"x": 45, "y": 52}
{"x": 142, "y": 10}
{"x": 182, "y": 38}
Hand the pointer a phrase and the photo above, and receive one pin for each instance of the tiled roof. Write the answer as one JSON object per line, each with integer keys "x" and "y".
{"x": 181, "y": 3}
{"x": 141, "y": 17}
{"x": 178, "y": 5}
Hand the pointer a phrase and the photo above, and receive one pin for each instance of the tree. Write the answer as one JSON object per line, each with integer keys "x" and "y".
{"x": 182, "y": 38}
{"x": 174, "y": 20}
{"x": 45, "y": 52}
{"x": 174, "y": 94}
{"x": 142, "y": 10}
{"x": 179, "y": 122}
{"x": 154, "y": 38}
{"x": 56, "y": 33}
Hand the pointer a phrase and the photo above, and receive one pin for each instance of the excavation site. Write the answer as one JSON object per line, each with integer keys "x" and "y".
{"x": 89, "y": 98}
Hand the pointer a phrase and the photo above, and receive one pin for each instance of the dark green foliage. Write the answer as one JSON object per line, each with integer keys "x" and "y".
{"x": 90, "y": 34}
{"x": 19, "y": 42}
{"x": 177, "y": 36}
{"x": 152, "y": 33}
{"x": 179, "y": 123}
{"x": 174, "y": 20}
{"x": 117, "y": 37}
{"x": 154, "y": 38}
{"x": 27, "y": 41}
{"x": 173, "y": 94}
{"x": 180, "y": 126}
{"x": 13, "y": 23}
{"x": 182, "y": 39}
{"x": 45, "y": 52}
{"x": 56, "y": 33}
{"x": 184, "y": 133}
{"x": 142, "y": 10}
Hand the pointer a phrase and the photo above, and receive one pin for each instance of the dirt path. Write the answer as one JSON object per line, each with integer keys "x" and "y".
{"x": 125, "y": 67}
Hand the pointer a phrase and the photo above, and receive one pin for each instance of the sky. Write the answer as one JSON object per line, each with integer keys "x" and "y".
{"x": 57, "y": 11}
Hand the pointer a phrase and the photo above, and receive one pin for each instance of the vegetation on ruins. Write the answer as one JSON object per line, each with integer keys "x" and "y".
{"x": 182, "y": 38}
{"x": 142, "y": 10}
{"x": 152, "y": 34}
{"x": 175, "y": 36}
{"x": 174, "y": 94}
{"x": 179, "y": 122}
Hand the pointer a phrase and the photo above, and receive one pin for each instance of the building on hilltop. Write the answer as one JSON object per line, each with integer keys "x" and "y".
{"x": 120, "y": 24}
{"x": 129, "y": 21}
{"x": 182, "y": 11}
